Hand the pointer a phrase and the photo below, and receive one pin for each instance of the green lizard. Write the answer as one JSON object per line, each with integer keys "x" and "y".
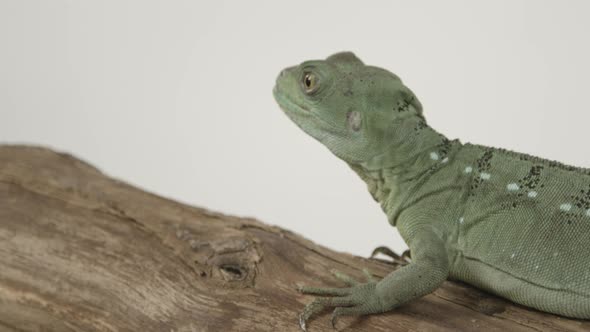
{"x": 509, "y": 223}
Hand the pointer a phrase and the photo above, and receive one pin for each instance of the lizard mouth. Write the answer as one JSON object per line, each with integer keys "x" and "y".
{"x": 306, "y": 119}
{"x": 286, "y": 104}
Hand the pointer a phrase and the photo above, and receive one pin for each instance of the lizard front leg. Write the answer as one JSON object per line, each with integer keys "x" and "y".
{"x": 428, "y": 270}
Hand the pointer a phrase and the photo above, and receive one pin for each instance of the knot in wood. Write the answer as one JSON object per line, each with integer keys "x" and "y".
{"x": 234, "y": 261}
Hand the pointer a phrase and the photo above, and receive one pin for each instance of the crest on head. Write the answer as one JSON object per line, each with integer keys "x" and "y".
{"x": 345, "y": 58}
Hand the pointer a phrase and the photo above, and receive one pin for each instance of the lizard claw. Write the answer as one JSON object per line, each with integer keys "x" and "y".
{"x": 354, "y": 300}
{"x": 302, "y": 323}
{"x": 334, "y": 321}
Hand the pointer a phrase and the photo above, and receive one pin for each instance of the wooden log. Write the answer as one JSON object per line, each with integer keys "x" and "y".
{"x": 80, "y": 251}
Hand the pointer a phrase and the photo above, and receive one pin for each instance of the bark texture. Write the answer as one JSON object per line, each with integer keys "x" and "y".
{"x": 80, "y": 251}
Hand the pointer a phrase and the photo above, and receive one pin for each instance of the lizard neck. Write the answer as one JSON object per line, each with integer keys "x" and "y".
{"x": 392, "y": 176}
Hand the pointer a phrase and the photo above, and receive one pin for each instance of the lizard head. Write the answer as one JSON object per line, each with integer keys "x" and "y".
{"x": 355, "y": 110}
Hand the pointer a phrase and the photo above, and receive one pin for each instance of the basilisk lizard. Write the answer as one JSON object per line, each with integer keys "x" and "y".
{"x": 510, "y": 223}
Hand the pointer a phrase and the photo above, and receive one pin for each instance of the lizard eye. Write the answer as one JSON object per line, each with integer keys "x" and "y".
{"x": 310, "y": 83}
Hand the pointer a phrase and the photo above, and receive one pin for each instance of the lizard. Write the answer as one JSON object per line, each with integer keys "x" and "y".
{"x": 509, "y": 223}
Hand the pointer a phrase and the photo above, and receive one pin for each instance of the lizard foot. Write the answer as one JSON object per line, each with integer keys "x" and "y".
{"x": 356, "y": 299}
{"x": 405, "y": 257}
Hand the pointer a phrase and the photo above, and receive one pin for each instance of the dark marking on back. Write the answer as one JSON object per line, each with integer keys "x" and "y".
{"x": 537, "y": 160}
{"x": 483, "y": 164}
{"x": 404, "y": 105}
{"x": 420, "y": 125}
{"x": 532, "y": 179}
{"x": 582, "y": 199}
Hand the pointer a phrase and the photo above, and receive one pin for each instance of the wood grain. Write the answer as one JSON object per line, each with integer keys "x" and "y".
{"x": 80, "y": 251}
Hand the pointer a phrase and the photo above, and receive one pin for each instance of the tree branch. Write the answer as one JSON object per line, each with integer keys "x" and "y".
{"x": 80, "y": 251}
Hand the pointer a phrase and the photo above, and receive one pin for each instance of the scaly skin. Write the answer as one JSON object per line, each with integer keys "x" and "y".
{"x": 512, "y": 224}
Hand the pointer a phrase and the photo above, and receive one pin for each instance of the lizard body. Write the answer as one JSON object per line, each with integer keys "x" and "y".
{"x": 510, "y": 223}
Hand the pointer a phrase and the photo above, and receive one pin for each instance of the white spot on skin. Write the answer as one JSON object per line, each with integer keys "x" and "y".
{"x": 532, "y": 194}
{"x": 468, "y": 169}
{"x": 512, "y": 186}
{"x": 354, "y": 120}
{"x": 485, "y": 176}
{"x": 565, "y": 207}
{"x": 512, "y": 256}
{"x": 433, "y": 155}
{"x": 536, "y": 267}
{"x": 445, "y": 159}
{"x": 461, "y": 220}
{"x": 588, "y": 212}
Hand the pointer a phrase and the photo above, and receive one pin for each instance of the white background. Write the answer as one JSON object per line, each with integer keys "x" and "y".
{"x": 175, "y": 96}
